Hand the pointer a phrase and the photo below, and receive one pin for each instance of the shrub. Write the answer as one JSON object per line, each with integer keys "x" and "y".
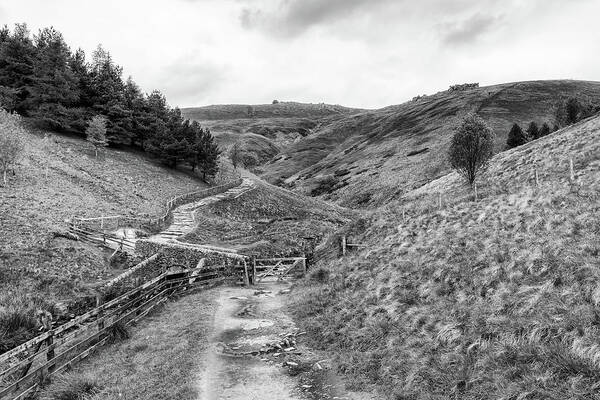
{"x": 471, "y": 147}
{"x": 11, "y": 142}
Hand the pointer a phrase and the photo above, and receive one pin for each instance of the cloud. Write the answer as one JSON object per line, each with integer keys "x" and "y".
{"x": 468, "y": 31}
{"x": 190, "y": 81}
{"x": 293, "y": 17}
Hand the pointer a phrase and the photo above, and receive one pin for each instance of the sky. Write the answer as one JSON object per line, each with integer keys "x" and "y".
{"x": 359, "y": 53}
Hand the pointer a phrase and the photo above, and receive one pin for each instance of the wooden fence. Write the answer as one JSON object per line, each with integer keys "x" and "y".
{"x": 97, "y": 230}
{"x": 27, "y": 366}
{"x": 276, "y": 267}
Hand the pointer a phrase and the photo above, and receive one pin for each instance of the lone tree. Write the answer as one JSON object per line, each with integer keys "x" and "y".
{"x": 471, "y": 148}
{"x": 11, "y": 141}
{"x": 235, "y": 155}
{"x": 533, "y": 131}
{"x": 96, "y": 132}
{"x": 516, "y": 137}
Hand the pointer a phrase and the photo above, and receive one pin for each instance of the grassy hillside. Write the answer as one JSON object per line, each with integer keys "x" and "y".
{"x": 57, "y": 179}
{"x": 368, "y": 159}
{"x": 270, "y": 128}
{"x": 268, "y": 221}
{"x": 495, "y": 298}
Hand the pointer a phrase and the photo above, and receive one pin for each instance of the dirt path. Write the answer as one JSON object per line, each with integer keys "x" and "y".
{"x": 183, "y": 216}
{"x": 244, "y": 362}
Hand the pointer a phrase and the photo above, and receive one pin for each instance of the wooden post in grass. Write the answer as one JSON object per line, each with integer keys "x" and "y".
{"x": 475, "y": 190}
{"x": 537, "y": 179}
{"x": 571, "y": 170}
{"x": 303, "y": 264}
{"x": 343, "y": 245}
{"x": 253, "y": 270}
{"x": 50, "y": 352}
{"x": 246, "y": 278}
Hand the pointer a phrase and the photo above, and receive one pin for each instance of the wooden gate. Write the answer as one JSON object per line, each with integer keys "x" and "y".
{"x": 277, "y": 267}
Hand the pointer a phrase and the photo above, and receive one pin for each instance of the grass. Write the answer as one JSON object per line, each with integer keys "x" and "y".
{"x": 490, "y": 299}
{"x": 268, "y": 221}
{"x": 158, "y": 361}
{"x": 59, "y": 178}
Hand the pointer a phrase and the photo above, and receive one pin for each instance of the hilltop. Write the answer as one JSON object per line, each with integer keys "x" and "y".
{"x": 488, "y": 298}
{"x": 370, "y": 158}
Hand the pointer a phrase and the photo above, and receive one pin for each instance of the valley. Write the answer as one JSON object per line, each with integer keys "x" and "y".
{"x": 453, "y": 294}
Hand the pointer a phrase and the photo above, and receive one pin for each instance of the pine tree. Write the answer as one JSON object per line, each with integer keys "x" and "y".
{"x": 207, "y": 154}
{"x": 533, "y": 131}
{"x": 545, "y": 130}
{"x": 516, "y": 137}
{"x": 55, "y": 86}
{"x": 96, "y": 132}
{"x": 17, "y": 59}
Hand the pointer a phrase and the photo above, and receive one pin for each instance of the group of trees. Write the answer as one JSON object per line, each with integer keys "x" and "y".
{"x": 518, "y": 137}
{"x": 42, "y": 79}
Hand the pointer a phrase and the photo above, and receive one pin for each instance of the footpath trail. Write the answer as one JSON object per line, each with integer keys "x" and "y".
{"x": 183, "y": 216}
{"x": 255, "y": 352}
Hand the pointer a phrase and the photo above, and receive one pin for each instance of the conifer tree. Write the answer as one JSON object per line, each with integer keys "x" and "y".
{"x": 533, "y": 131}
{"x": 516, "y": 137}
{"x": 545, "y": 130}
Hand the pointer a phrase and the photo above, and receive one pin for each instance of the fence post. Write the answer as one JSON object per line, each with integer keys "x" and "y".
{"x": 50, "y": 352}
{"x": 253, "y": 270}
{"x": 537, "y": 180}
{"x": 571, "y": 170}
{"x": 246, "y": 277}
{"x": 343, "y": 245}
{"x": 304, "y": 264}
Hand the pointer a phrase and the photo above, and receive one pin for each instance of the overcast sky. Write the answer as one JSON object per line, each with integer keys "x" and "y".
{"x": 363, "y": 53}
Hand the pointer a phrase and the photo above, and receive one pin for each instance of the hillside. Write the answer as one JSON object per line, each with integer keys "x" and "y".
{"x": 494, "y": 298}
{"x": 59, "y": 178}
{"x": 264, "y": 130}
{"x": 367, "y": 159}
{"x": 268, "y": 221}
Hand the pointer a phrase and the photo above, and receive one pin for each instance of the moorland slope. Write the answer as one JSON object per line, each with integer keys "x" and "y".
{"x": 369, "y": 158}
{"x": 488, "y": 298}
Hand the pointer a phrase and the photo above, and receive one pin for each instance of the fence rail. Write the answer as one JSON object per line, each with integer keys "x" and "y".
{"x": 27, "y": 366}
{"x": 94, "y": 229}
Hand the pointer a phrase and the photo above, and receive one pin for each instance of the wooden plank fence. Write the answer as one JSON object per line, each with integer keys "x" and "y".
{"x": 276, "y": 267}
{"x": 27, "y": 366}
{"x": 95, "y": 230}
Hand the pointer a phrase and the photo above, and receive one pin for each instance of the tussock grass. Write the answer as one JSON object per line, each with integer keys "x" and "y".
{"x": 73, "y": 387}
{"x": 490, "y": 299}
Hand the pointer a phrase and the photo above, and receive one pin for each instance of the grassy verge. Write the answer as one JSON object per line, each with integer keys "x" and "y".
{"x": 158, "y": 361}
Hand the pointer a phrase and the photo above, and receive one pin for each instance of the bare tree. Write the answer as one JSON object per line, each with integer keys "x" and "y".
{"x": 96, "y": 132}
{"x": 471, "y": 148}
{"x": 235, "y": 155}
{"x": 11, "y": 141}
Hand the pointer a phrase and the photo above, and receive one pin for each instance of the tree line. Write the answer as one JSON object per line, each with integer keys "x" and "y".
{"x": 567, "y": 112}
{"x": 43, "y": 80}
